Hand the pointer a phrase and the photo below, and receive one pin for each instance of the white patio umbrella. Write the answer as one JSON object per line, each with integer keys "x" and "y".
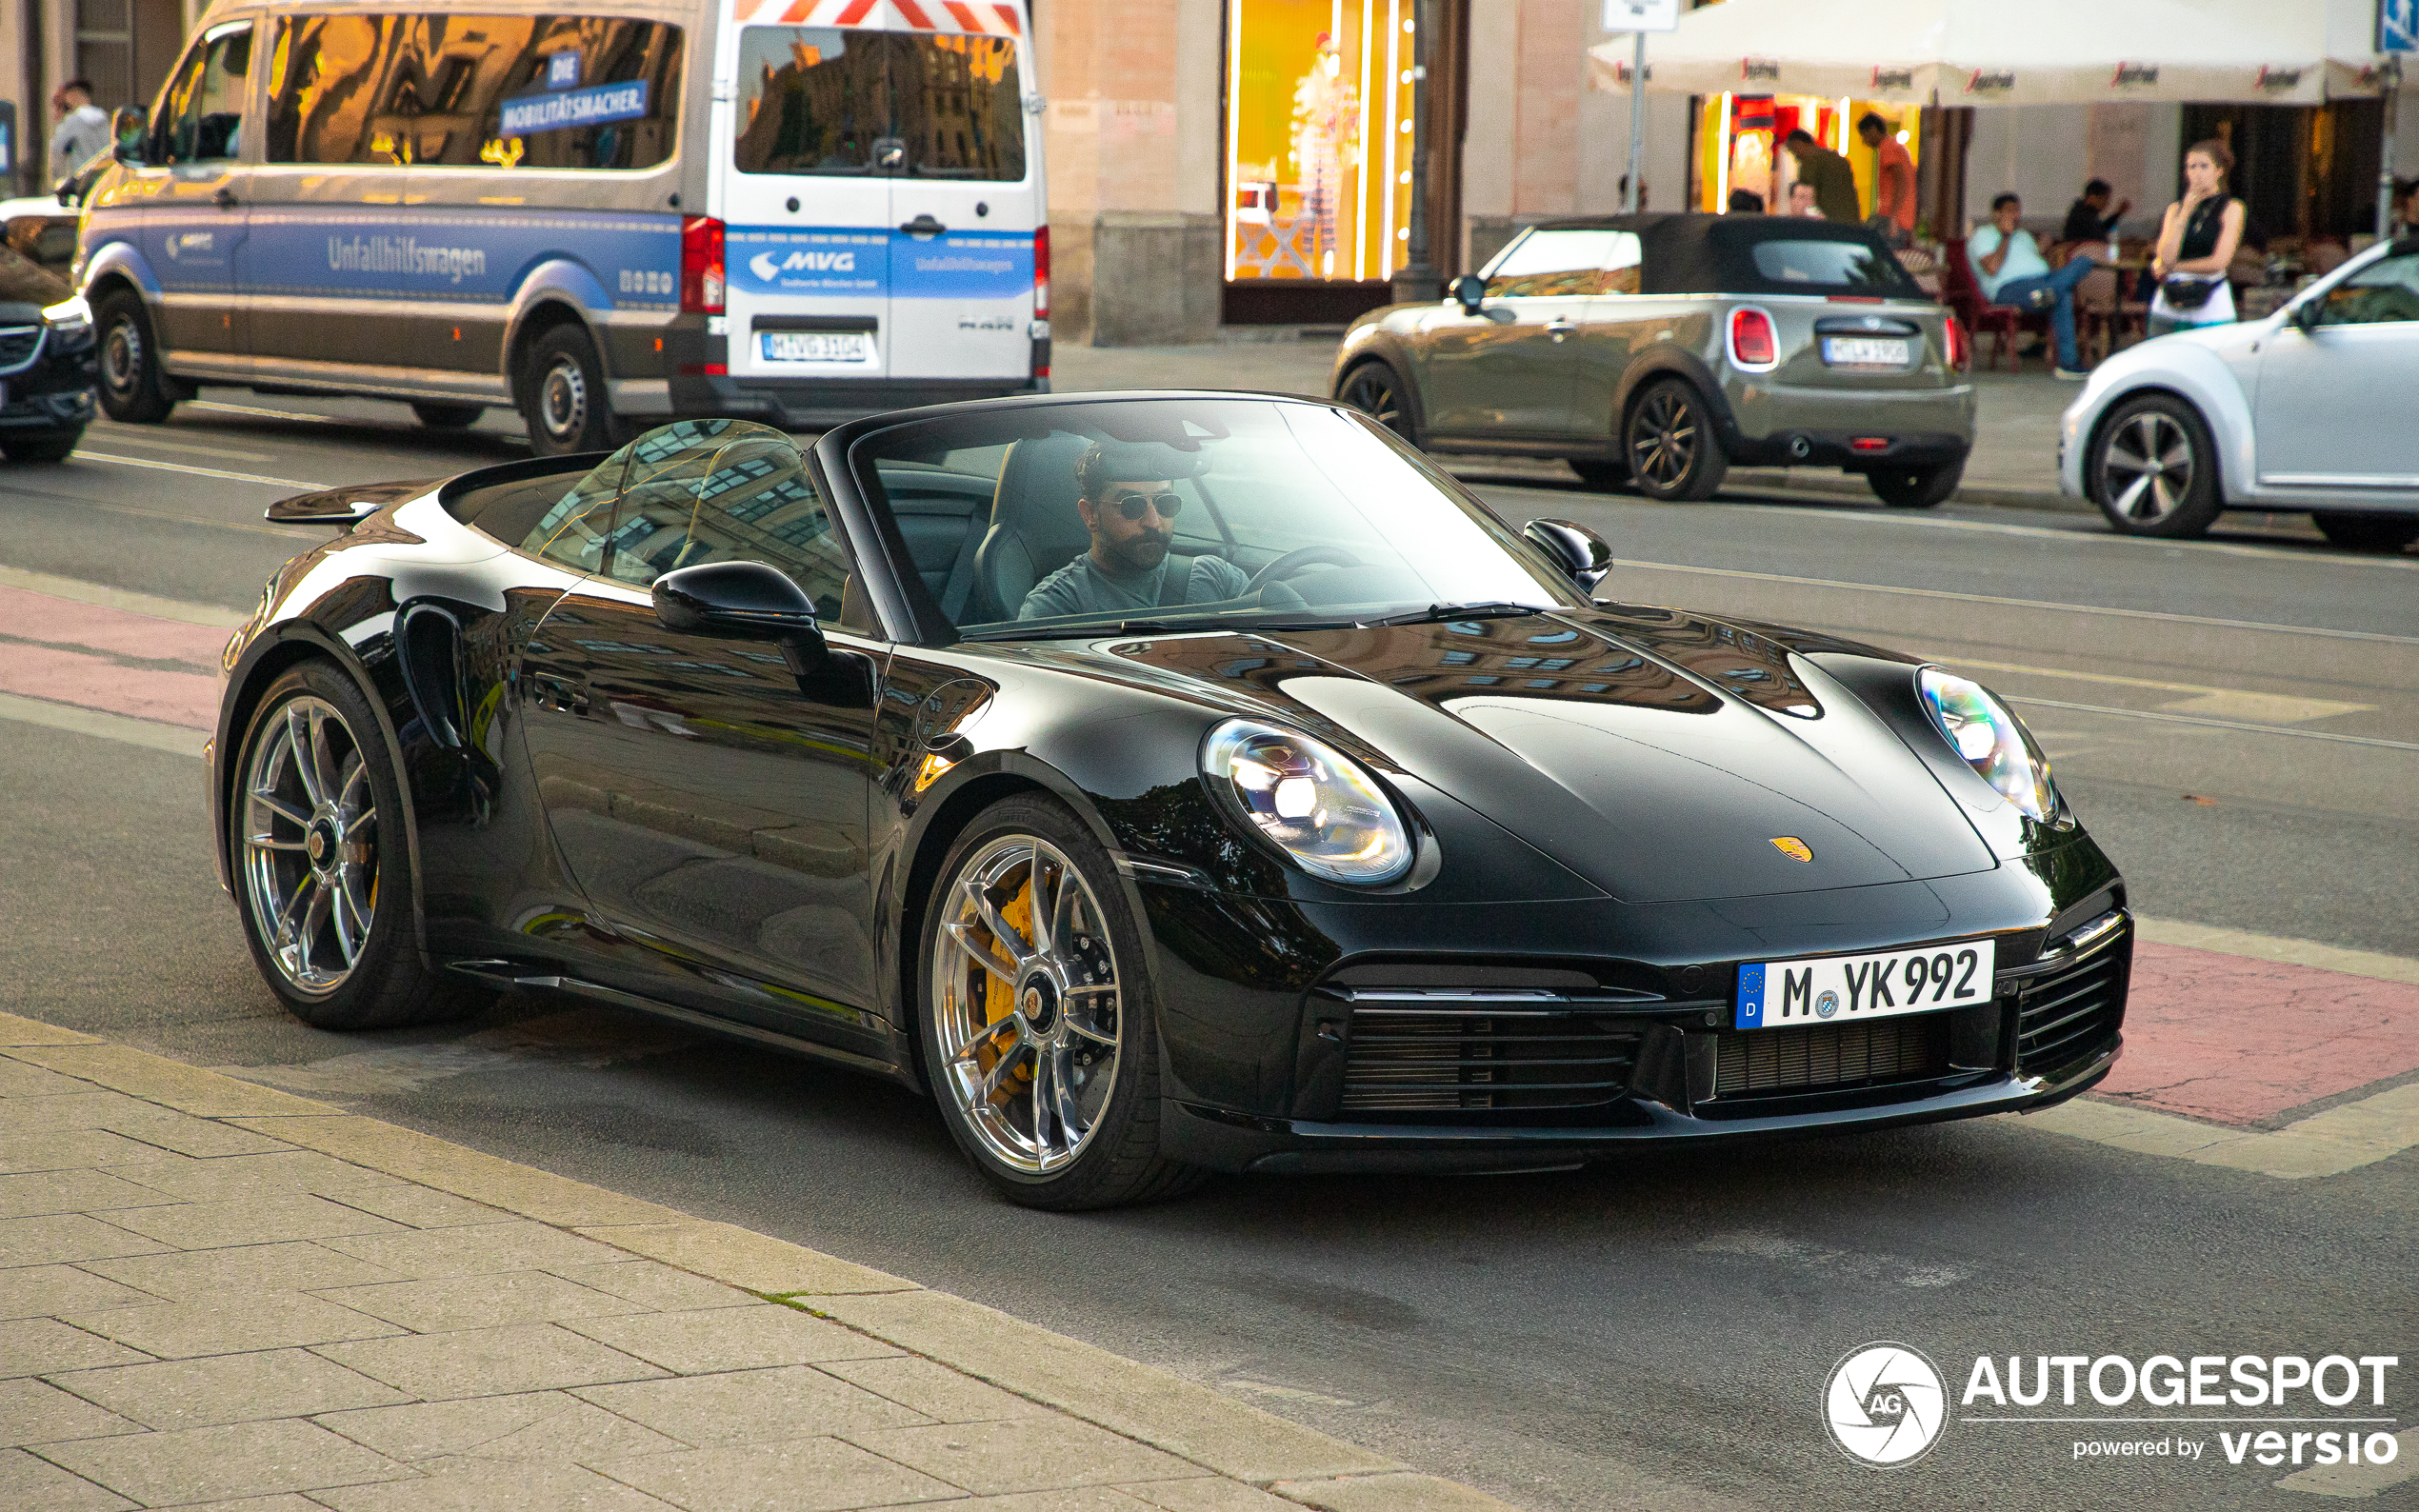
{"x": 2006, "y": 52}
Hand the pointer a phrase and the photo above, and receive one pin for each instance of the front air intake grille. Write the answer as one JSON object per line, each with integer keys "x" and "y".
{"x": 2063, "y": 1013}
{"x": 1830, "y": 1057}
{"x": 1466, "y": 1056}
{"x": 18, "y": 345}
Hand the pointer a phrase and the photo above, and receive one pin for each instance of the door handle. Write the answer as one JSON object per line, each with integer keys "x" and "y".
{"x": 922, "y": 224}
{"x": 225, "y": 199}
{"x": 1559, "y": 328}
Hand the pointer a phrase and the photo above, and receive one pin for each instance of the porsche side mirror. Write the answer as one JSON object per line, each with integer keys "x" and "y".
{"x": 1579, "y": 551}
{"x": 746, "y": 601}
{"x": 1469, "y": 291}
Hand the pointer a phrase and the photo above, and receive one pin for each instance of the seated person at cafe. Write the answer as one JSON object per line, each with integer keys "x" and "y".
{"x": 2089, "y": 219}
{"x": 1746, "y": 202}
{"x": 2009, "y": 265}
{"x": 1127, "y": 495}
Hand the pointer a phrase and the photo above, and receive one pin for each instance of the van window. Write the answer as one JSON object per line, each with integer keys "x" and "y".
{"x": 818, "y": 100}
{"x": 476, "y": 91}
{"x": 201, "y": 114}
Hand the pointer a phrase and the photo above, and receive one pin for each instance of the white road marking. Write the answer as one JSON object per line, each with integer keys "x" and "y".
{"x": 2342, "y": 1139}
{"x": 2215, "y": 702}
{"x": 178, "y": 740}
{"x": 128, "y": 436}
{"x": 2359, "y": 1480}
{"x": 1867, "y": 515}
{"x": 132, "y": 602}
{"x": 2024, "y": 603}
{"x": 2218, "y": 724}
{"x": 224, "y": 408}
{"x": 82, "y": 455}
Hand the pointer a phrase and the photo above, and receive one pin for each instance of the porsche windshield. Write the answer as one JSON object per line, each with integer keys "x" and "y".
{"x": 1186, "y": 514}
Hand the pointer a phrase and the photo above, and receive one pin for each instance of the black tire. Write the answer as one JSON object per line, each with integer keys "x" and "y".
{"x": 563, "y": 395}
{"x": 449, "y": 417}
{"x": 1667, "y": 437}
{"x": 134, "y": 390}
{"x": 1114, "y": 1160}
{"x": 1916, "y": 488}
{"x": 384, "y": 983}
{"x": 1375, "y": 389}
{"x": 1602, "y": 475}
{"x": 2367, "y": 532}
{"x": 2138, "y": 452}
{"x": 39, "y": 445}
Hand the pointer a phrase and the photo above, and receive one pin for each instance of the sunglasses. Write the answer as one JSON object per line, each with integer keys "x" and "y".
{"x": 1134, "y": 502}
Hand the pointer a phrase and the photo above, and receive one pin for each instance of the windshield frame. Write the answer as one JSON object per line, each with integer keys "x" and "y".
{"x": 845, "y": 458}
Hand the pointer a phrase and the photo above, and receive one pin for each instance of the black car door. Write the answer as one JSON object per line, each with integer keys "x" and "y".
{"x": 710, "y": 801}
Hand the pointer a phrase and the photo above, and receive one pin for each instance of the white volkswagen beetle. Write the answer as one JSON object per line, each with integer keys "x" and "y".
{"x": 2316, "y": 407}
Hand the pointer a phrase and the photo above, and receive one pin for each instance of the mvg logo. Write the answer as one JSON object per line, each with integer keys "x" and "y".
{"x": 767, "y": 266}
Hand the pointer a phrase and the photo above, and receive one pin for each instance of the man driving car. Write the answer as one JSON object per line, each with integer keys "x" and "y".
{"x": 1127, "y": 495}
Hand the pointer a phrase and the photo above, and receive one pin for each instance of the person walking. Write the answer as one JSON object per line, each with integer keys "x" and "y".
{"x": 2009, "y": 265}
{"x": 1893, "y": 181}
{"x": 83, "y": 128}
{"x": 2089, "y": 219}
{"x": 2197, "y": 242}
{"x": 1835, "y": 181}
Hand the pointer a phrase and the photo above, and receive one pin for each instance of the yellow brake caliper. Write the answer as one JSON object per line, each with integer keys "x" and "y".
{"x": 999, "y": 999}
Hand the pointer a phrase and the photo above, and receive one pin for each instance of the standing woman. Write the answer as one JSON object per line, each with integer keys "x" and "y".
{"x": 2196, "y": 245}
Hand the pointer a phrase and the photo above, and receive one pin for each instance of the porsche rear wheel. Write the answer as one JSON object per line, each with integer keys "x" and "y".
{"x": 322, "y": 876}
{"x": 1038, "y": 1029}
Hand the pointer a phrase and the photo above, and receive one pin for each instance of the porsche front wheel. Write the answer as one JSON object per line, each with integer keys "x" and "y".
{"x": 1038, "y": 1032}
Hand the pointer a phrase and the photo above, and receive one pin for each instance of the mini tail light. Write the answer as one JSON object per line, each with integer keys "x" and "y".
{"x": 1869, "y": 444}
{"x": 1041, "y": 272}
{"x": 1961, "y": 347}
{"x": 1752, "y": 344}
{"x": 700, "y": 282}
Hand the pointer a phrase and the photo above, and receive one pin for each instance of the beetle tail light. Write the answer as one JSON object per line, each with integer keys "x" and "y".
{"x": 1961, "y": 347}
{"x": 701, "y": 280}
{"x": 1753, "y": 342}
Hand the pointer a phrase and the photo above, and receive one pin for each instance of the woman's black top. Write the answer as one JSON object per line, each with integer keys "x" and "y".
{"x": 2201, "y": 228}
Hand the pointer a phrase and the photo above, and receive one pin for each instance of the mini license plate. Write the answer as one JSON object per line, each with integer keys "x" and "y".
{"x": 1834, "y": 990}
{"x": 1863, "y": 351}
{"x": 800, "y": 346}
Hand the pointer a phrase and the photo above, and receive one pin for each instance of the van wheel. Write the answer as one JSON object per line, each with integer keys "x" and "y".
{"x": 449, "y": 417}
{"x": 563, "y": 395}
{"x": 134, "y": 389}
{"x": 1673, "y": 453}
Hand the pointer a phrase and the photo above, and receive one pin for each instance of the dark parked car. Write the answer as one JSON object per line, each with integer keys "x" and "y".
{"x": 48, "y": 364}
{"x": 1167, "y": 783}
{"x": 1660, "y": 350}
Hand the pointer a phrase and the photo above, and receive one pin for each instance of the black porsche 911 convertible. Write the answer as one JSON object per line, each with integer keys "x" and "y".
{"x": 1169, "y": 783}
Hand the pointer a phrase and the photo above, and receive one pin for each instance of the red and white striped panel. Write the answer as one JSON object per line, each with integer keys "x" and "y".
{"x": 996, "y": 18}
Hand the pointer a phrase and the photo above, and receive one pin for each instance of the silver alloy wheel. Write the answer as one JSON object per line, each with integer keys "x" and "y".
{"x": 2146, "y": 467}
{"x": 1026, "y": 1008}
{"x": 1663, "y": 438}
{"x": 122, "y": 357}
{"x": 562, "y": 399}
{"x": 309, "y": 856}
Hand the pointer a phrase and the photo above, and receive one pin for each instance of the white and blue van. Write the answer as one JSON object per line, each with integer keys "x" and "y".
{"x": 591, "y": 211}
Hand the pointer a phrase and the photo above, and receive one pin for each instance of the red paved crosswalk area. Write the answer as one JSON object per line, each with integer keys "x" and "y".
{"x": 85, "y": 654}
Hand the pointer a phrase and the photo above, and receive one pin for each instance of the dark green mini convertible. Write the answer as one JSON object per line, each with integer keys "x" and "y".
{"x": 1660, "y": 350}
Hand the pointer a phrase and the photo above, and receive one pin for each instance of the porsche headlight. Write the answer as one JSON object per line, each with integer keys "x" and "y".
{"x": 1310, "y": 800}
{"x": 1981, "y": 730}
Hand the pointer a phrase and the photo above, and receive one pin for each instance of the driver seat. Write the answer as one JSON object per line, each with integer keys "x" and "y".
{"x": 1035, "y": 529}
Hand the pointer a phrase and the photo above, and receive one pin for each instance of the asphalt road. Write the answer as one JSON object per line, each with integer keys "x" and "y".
{"x": 2236, "y": 720}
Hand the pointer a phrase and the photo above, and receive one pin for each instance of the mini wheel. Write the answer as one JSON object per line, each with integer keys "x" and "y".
{"x": 1673, "y": 453}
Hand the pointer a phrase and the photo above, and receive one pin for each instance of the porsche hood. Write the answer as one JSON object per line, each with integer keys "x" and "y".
{"x": 1661, "y": 756}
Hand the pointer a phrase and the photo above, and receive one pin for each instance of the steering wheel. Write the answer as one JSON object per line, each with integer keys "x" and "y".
{"x": 1292, "y": 562}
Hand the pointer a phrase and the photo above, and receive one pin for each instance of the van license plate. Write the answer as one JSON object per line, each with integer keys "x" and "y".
{"x": 799, "y": 346}
{"x": 1837, "y": 990}
{"x": 1863, "y": 352}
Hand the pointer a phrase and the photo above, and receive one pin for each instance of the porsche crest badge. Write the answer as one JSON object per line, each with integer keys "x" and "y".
{"x": 1791, "y": 847}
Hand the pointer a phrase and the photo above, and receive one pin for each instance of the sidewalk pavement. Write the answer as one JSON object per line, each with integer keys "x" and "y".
{"x": 218, "y": 1294}
{"x": 2014, "y": 460}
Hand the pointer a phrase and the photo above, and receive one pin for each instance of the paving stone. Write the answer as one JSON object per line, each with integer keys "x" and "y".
{"x": 254, "y": 1503}
{"x": 16, "y": 1031}
{"x": 730, "y": 1338}
{"x": 228, "y": 1388}
{"x": 274, "y": 1219}
{"x": 187, "y": 1136}
{"x": 1396, "y": 1492}
{"x": 484, "y": 1362}
{"x": 489, "y": 1487}
{"x": 37, "y": 1412}
{"x": 221, "y": 1463}
{"x": 38, "y": 1192}
{"x": 757, "y": 1261}
{"x": 66, "y": 1236}
{"x": 481, "y": 1249}
{"x": 46, "y": 1291}
{"x": 17, "y": 1078}
{"x": 1207, "y": 1494}
{"x": 1075, "y": 1498}
{"x": 419, "y": 1207}
{"x": 239, "y": 1176}
{"x": 534, "y": 1426}
{"x": 69, "y": 1149}
{"x": 809, "y": 1475}
{"x": 515, "y": 1189}
{"x": 934, "y": 1390}
{"x": 480, "y": 1302}
{"x": 28, "y": 1485}
{"x": 751, "y": 1406}
{"x": 1031, "y": 1454}
{"x": 22, "y": 1115}
{"x": 197, "y": 1275}
{"x": 231, "y": 1322}
{"x": 36, "y": 1346}
{"x": 656, "y": 1286}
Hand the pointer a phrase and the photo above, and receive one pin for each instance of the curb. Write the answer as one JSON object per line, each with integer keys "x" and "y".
{"x": 1156, "y": 1407}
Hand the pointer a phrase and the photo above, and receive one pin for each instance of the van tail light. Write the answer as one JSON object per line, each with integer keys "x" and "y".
{"x": 1041, "y": 272}
{"x": 1961, "y": 347}
{"x": 701, "y": 283}
{"x": 1752, "y": 344}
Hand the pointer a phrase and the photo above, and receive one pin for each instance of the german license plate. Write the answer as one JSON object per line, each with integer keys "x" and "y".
{"x": 1835, "y": 990}
{"x": 800, "y": 346}
{"x": 1863, "y": 351}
